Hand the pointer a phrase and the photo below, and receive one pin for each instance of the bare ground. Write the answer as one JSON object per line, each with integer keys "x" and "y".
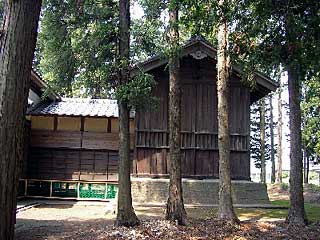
{"x": 78, "y": 221}
{"x": 276, "y": 192}
{"x": 91, "y": 222}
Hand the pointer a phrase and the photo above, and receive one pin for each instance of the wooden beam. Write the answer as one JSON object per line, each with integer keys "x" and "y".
{"x": 55, "y": 123}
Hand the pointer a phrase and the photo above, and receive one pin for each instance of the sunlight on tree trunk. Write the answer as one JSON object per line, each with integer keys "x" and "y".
{"x": 273, "y": 165}
{"x": 296, "y": 213}
{"x": 175, "y": 207}
{"x": 125, "y": 215}
{"x": 262, "y": 140}
{"x": 226, "y": 211}
{"x": 279, "y": 169}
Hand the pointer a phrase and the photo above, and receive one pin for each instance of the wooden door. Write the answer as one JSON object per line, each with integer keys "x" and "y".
{"x": 199, "y": 129}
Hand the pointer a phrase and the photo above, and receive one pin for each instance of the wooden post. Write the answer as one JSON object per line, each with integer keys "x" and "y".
{"x": 25, "y": 187}
{"x": 50, "y": 195}
{"x": 106, "y": 192}
{"x": 78, "y": 190}
{"x": 109, "y": 125}
{"x": 55, "y": 123}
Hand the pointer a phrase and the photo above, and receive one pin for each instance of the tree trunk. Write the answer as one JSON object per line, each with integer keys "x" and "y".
{"x": 305, "y": 154}
{"x": 305, "y": 160}
{"x": 125, "y": 215}
{"x": 175, "y": 207}
{"x": 296, "y": 213}
{"x": 17, "y": 50}
{"x": 308, "y": 168}
{"x": 273, "y": 165}
{"x": 279, "y": 170}
{"x": 262, "y": 140}
{"x": 226, "y": 211}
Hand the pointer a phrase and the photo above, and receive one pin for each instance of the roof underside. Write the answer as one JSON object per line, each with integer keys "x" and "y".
{"x": 200, "y": 47}
{"x": 79, "y": 107}
{"x": 39, "y": 86}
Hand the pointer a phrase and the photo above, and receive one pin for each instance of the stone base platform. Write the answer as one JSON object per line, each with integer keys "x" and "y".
{"x": 197, "y": 192}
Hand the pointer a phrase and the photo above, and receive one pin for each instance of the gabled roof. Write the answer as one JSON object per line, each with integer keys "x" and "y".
{"x": 79, "y": 107}
{"x": 198, "y": 46}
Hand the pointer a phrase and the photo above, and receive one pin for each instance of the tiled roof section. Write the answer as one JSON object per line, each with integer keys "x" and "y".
{"x": 79, "y": 107}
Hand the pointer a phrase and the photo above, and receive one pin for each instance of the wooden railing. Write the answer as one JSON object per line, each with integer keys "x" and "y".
{"x": 152, "y": 138}
{"x": 189, "y": 140}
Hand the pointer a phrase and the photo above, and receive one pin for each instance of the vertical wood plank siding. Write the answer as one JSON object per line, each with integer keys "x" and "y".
{"x": 68, "y": 164}
{"x": 198, "y": 125}
{"x": 74, "y": 155}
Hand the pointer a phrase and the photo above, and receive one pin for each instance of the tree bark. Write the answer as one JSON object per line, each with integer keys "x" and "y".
{"x": 175, "y": 207}
{"x": 296, "y": 213}
{"x": 125, "y": 214}
{"x": 226, "y": 211}
{"x": 16, "y": 52}
{"x": 273, "y": 165}
{"x": 304, "y": 152}
{"x": 305, "y": 155}
{"x": 279, "y": 170}
{"x": 262, "y": 140}
{"x": 308, "y": 168}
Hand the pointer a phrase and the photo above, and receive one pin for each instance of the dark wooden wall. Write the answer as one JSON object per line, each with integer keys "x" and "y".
{"x": 199, "y": 132}
{"x": 72, "y": 155}
{"x": 24, "y": 164}
{"x": 68, "y": 164}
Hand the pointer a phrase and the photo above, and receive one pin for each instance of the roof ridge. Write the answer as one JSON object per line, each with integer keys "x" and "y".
{"x": 87, "y": 99}
{"x": 200, "y": 38}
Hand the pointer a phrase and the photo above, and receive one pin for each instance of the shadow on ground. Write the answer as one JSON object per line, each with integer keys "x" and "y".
{"x": 96, "y": 222}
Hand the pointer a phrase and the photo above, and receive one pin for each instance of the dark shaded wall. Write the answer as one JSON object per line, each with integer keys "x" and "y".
{"x": 199, "y": 130}
{"x": 75, "y": 148}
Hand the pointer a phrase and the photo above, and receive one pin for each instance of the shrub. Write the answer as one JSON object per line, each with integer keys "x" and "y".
{"x": 313, "y": 187}
{"x": 285, "y": 174}
{"x": 284, "y": 186}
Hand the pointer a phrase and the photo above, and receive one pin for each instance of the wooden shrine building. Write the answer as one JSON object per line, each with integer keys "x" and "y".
{"x": 71, "y": 146}
{"x": 73, "y": 143}
{"x": 73, "y": 149}
{"x": 199, "y": 125}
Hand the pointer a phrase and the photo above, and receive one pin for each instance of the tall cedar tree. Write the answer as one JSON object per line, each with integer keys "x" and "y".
{"x": 272, "y": 152}
{"x": 125, "y": 215}
{"x": 279, "y": 170}
{"x": 262, "y": 140}
{"x": 175, "y": 207}
{"x": 54, "y": 53}
{"x": 226, "y": 211}
{"x": 296, "y": 213}
{"x": 304, "y": 150}
{"x": 18, "y": 41}
{"x": 255, "y": 134}
{"x": 311, "y": 123}
{"x": 1, "y": 12}
{"x": 77, "y": 44}
{"x": 287, "y": 33}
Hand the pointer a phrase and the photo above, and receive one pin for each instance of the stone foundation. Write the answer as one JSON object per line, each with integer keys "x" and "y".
{"x": 197, "y": 192}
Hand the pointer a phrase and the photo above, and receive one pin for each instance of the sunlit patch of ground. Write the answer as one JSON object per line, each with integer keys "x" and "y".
{"x": 92, "y": 222}
{"x": 78, "y": 221}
